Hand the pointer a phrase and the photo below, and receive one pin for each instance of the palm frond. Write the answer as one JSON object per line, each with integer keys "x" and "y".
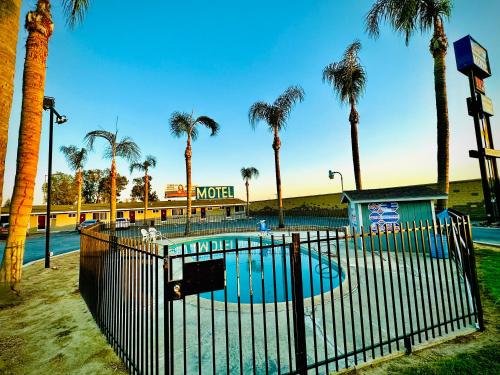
{"x": 259, "y": 111}
{"x": 180, "y": 123}
{"x": 136, "y": 166}
{"x": 347, "y": 77}
{"x": 209, "y": 123}
{"x": 75, "y": 10}
{"x": 248, "y": 173}
{"x": 91, "y": 137}
{"x": 150, "y": 161}
{"x": 284, "y": 104}
{"x": 406, "y": 16}
{"x": 75, "y": 157}
{"x": 127, "y": 149}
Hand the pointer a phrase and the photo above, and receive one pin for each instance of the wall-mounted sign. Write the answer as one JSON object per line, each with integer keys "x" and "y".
{"x": 471, "y": 56}
{"x": 178, "y": 191}
{"x": 384, "y": 215}
{"x": 214, "y": 192}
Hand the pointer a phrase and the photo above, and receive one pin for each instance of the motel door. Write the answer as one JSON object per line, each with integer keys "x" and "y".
{"x": 228, "y": 211}
{"x": 41, "y": 221}
{"x": 131, "y": 215}
{"x": 163, "y": 215}
{"x": 82, "y": 218}
{"x": 203, "y": 212}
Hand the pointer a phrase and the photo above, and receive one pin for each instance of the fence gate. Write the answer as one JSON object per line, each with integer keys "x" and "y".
{"x": 229, "y": 307}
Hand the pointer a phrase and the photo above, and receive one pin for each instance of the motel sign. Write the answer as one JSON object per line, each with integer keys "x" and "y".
{"x": 472, "y": 60}
{"x": 214, "y": 192}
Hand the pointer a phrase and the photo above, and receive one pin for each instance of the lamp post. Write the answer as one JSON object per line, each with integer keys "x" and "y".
{"x": 48, "y": 104}
{"x": 332, "y": 174}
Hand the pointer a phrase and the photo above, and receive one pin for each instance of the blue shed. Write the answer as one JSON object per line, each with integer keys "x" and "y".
{"x": 391, "y": 208}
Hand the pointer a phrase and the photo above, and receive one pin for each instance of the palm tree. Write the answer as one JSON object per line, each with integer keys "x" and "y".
{"x": 348, "y": 80}
{"x": 39, "y": 26}
{"x": 247, "y": 174}
{"x": 150, "y": 162}
{"x": 406, "y": 17}
{"x": 126, "y": 148}
{"x": 10, "y": 11}
{"x": 276, "y": 116}
{"x": 76, "y": 159}
{"x": 182, "y": 123}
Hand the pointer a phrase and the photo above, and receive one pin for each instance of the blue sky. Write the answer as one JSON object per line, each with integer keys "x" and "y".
{"x": 216, "y": 58}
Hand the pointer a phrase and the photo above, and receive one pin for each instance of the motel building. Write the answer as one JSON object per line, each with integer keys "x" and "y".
{"x": 64, "y": 217}
{"x": 206, "y": 201}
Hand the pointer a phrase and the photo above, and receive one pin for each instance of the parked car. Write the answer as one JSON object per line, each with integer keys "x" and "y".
{"x": 86, "y": 223}
{"x": 4, "y": 230}
{"x": 122, "y": 223}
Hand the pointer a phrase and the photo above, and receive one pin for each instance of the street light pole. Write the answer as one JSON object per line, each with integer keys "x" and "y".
{"x": 48, "y": 104}
{"x": 49, "y": 192}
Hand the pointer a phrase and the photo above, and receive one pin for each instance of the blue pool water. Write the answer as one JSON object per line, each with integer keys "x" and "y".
{"x": 60, "y": 243}
{"x": 248, "y": 268}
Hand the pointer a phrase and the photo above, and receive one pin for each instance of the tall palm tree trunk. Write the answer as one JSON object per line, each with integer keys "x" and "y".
{"x": 248, "y": 198}
{"x": 188, "y": 155}
{"x": 112, "y": 198}
{"x": 146, "y": 195}
{"x": 79, "y": 181}
{"x": 39, "y": 26}
{"x": 354, "y": 119}
{"x": 276, "y": 148}
{"x": 10, "y": 11}
{"x": 438, "y": 47}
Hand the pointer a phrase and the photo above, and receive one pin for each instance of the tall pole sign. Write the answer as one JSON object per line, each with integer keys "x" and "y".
{"x": 472, "y": 60}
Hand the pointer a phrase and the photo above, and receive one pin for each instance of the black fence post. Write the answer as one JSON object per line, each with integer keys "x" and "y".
{"x": 472, "y": 260}
{"x": 166, "y": 309}
{"x": 298, "y": 306}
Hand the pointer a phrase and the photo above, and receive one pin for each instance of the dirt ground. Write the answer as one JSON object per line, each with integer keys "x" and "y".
{"x": 49, "y": 330}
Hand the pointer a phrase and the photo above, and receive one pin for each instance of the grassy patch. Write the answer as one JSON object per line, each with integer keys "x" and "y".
{"x": 487, "y": 272}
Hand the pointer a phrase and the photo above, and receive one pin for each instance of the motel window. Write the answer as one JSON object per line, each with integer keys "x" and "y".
{"x": 140, "y": 211}
{"x": 119, "y": 214}
{"x": 178, "y": 211}
{"x": 237, "y": 209}
{"x": 71, "y": 215}
{"x": 155, "y": 211}
{"x": 99, "y": 216}
{"x": 53, "y": 216}
{"x": 209, "y": 208}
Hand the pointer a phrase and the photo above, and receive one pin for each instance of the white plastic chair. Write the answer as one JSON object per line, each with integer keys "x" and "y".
{"x": 145, "y": 235}
{"x": 154, "y": 234}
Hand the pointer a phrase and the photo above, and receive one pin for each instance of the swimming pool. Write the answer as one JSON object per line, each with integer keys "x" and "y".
{"x": 252, "y": 275}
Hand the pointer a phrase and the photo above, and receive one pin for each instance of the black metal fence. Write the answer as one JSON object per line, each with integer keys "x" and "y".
{"x": 312, "y": 302}
{"x": 120, "y": 280}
